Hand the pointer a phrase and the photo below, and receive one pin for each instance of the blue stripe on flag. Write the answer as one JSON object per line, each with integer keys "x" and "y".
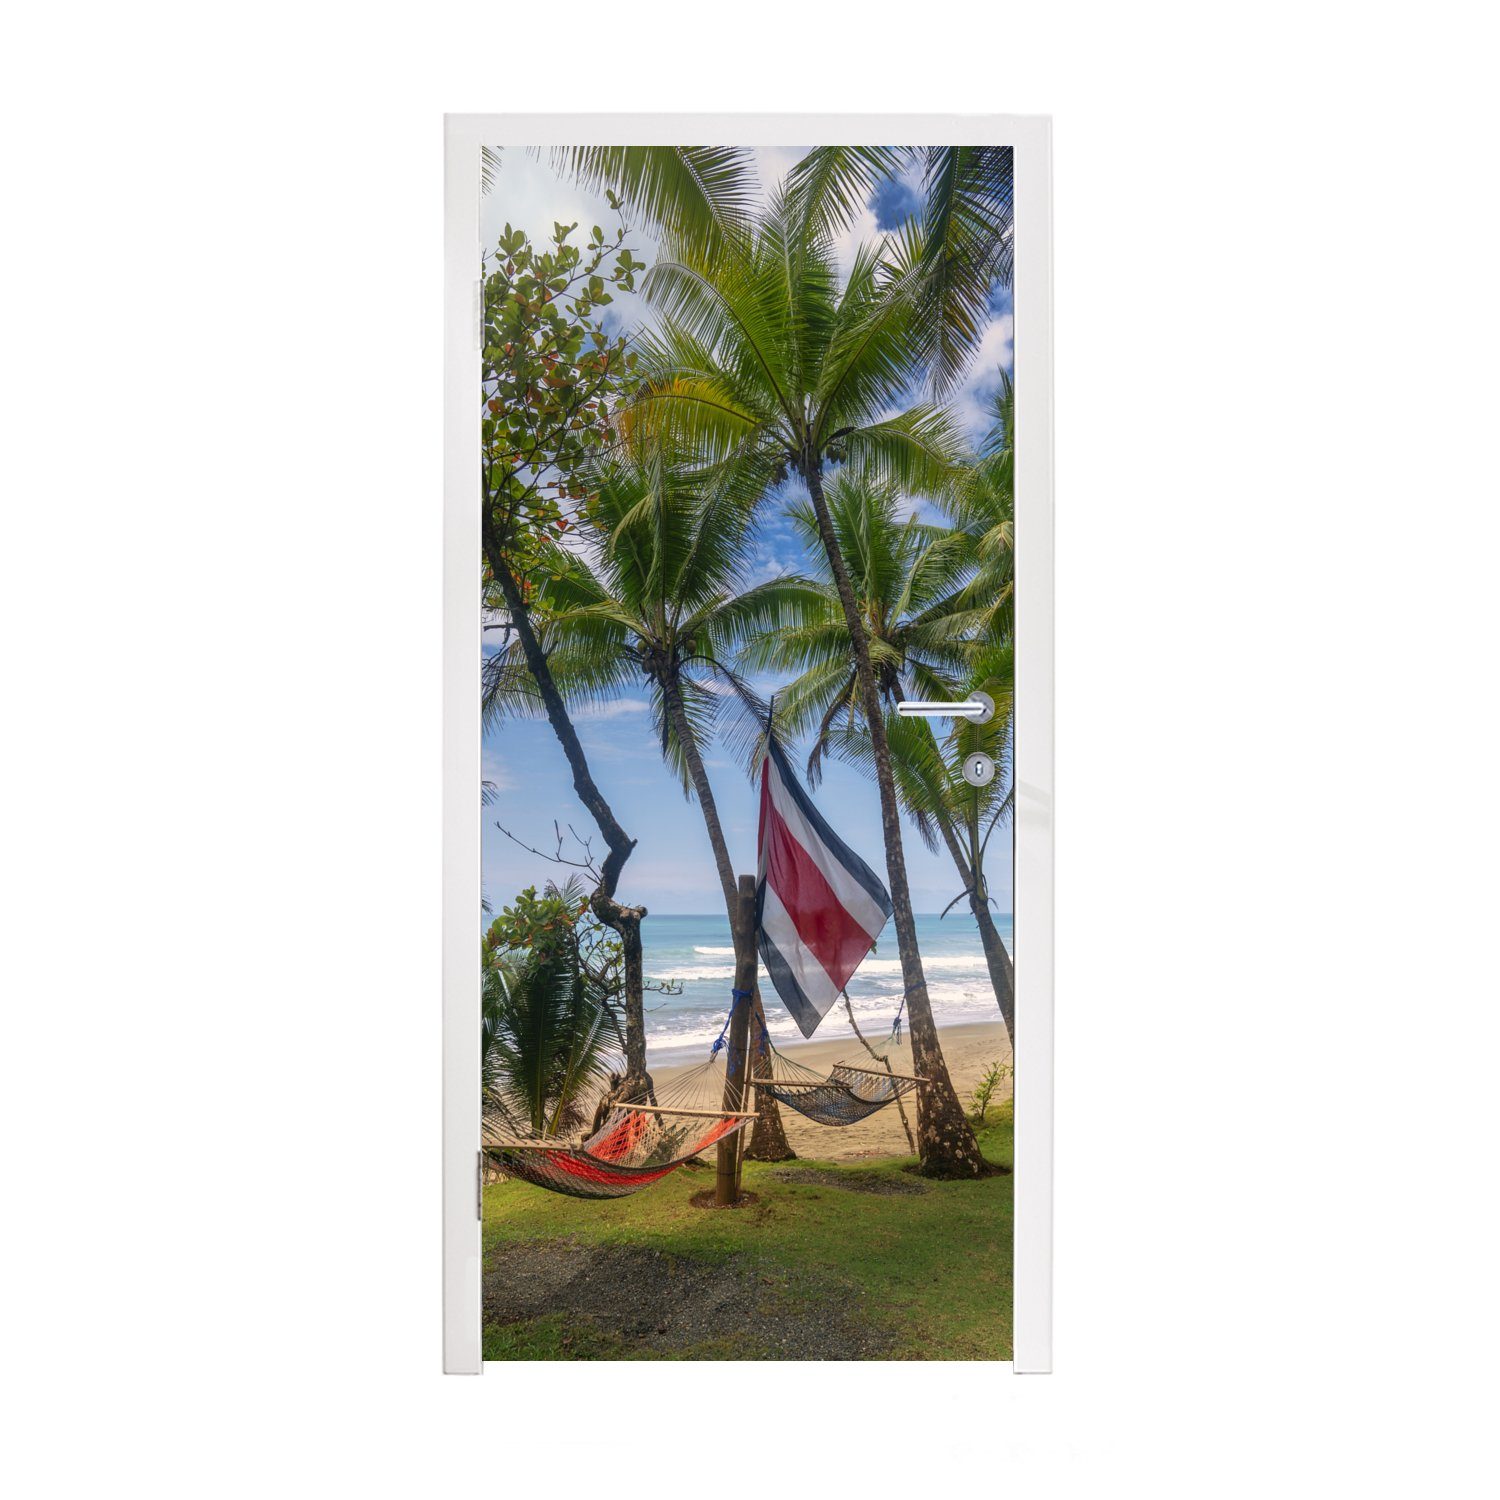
{"x": 792, "y": 996}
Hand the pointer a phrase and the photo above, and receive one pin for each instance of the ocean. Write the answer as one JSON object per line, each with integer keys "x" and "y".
{"x": 697, "y": 953}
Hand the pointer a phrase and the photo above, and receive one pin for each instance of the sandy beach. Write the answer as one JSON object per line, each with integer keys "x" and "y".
{"x": 968, "y": 1049}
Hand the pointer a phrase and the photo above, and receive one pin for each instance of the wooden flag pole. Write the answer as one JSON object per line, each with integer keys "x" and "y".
{"x": 727, "y": 1177}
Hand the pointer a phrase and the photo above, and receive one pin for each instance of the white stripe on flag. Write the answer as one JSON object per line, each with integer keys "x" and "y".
{"x": 819, "y": 989}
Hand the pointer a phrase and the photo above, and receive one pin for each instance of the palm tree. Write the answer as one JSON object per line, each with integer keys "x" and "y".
{"x": 983, "y": 504}
{"x": 699, "y": 196}
{"x": 927, "y": 633}
{"x": 946, "y": 809}
{"x": 548, "y": 1030}
{"x": 978, "y": 812}
{"x": 762, "y": 357}
{"x": 967, "y": 232}
{"x": 695, "y": 195}
{"x": 909, "y": 579}
{"x": 659, "y": 605}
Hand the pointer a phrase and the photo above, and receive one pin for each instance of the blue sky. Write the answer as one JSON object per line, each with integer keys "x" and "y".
{"x": 672, "y": 867}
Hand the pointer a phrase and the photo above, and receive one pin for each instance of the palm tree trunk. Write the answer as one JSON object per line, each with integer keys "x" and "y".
{"x": 624, "y": 920}
{"x": 945, "y": 1139}
{"x": 1002, "y": 970}
{"x": 768, "y": 1140}
{"x": 682, "y": 727}
{"x": 997, "y": 960}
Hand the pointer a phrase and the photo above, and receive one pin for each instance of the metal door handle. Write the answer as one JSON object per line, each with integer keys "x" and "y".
{"x": 978, "y": 707}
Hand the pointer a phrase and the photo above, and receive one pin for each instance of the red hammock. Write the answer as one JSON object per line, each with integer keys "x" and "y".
{"x": 636, "y": 1145}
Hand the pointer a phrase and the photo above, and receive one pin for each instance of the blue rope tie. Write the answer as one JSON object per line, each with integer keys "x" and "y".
{"x": 736, "y": 997}
{"x": 896, "y": 1024}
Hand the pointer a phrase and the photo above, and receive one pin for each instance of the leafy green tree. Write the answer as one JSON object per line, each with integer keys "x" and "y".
{"x": 662, "y": 606}
{"x": 552, "y": 380}
{"x": 761, "y": 356}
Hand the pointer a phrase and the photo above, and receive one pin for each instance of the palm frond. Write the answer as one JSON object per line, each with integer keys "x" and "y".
{"x": 548, "y": 1032}
{"x": 832, "y": 185}
{"x": 869, "y": 363}
{"x": 916, "y": 451}
{"x": 698, "y": 196}
{"x": 968, "y": 240}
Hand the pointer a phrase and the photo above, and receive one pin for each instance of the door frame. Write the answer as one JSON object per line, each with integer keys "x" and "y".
{"x": 1031, "y": 138}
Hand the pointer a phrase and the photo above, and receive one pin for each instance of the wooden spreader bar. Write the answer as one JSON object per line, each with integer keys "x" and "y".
{"x": 698, "y": 1114}
{"x": 881, "y": 1073}
{"x": 560, "y": 1144}
{"x": 815, "y": 1083}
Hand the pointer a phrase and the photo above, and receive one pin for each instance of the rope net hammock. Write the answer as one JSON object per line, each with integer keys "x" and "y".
{"x": 847, "y": 1095}
{"x": 635, "y": 1143}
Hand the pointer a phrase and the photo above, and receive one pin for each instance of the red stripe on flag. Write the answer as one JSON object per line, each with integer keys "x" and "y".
{"x": 822, "y": 921}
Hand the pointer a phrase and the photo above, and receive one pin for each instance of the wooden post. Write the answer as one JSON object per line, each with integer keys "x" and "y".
{"x": 727, "y": 1178}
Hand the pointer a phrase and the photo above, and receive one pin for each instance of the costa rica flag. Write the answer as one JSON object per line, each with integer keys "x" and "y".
{"x": 819, "y": 906}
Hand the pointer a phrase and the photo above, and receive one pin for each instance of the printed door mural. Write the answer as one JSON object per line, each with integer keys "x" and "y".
{"x": 747, "y": 958}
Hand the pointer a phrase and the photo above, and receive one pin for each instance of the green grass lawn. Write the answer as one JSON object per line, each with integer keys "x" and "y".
{"x": 867, "y": 1261}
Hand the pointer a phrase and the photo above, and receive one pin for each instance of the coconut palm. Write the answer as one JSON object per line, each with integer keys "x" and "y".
{"x": 694, "y": 195}
{"x": 661, "y": 605}
{"x": 698, "y": 196}
{"x": 761, "y": 356}
{"x": 967, "y": 238}
{"x": 909, "y": 578}
{"x": 947, "y": 810}
{"x": 983, "y": 504}
{"x": 928, "y": 637}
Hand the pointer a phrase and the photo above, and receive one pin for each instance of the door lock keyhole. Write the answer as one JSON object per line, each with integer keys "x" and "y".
{"x": 979, "y": 769}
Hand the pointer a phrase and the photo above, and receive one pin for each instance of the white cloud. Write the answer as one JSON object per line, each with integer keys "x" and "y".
{"x": 764, "y": 564}
{"x": 996, "y": 352}
{"x": 773, "y": 163}
{"x": 861, "y": 232}
{"x": 615, "y": 710}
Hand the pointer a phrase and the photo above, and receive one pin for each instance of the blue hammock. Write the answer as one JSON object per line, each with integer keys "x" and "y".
{"x": 845, "y": 1097}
